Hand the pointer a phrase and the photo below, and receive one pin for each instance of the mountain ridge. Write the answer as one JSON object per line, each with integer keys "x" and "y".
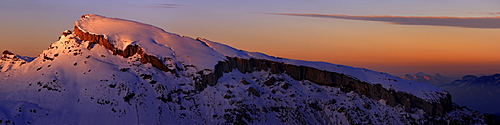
{"x": 159, "y": 79}
{"x": 174, "y": 40}
{"x": 471, "y": 79}
{"x": 436, "y": 80}
{"x": 9, "y": 60}
{"x": 475, "y": 92}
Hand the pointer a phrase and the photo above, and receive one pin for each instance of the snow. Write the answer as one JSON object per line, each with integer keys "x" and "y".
{"x": 204, "y": 53}
{"x": 421, "y": 90}
{"x": 153, "y": 40}
{"x": 11, "y": 61}
{"x": 70, "y": 84}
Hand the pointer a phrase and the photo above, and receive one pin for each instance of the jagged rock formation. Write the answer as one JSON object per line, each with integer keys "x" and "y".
{"x": 6, "y": 53}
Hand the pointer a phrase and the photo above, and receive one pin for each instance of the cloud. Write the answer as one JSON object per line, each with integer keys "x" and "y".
{"x": 468, "y": 22}
{"x": 167, "y": 5}
{"x": 485, "y": 13}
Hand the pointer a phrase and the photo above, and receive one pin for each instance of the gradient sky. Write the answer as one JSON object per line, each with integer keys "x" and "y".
{"x": 272, "y": 26}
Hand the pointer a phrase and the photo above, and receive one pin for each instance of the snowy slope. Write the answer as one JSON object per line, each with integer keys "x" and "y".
{"x": 153, "y": 40}
{"x": 164, "y": 44}
{"x": 79, "y": 82}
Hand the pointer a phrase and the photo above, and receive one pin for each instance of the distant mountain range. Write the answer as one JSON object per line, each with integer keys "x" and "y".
{"x": 479, "y": 93}
{"x": 435, "y": 80}
{"x": 474, "y": 80}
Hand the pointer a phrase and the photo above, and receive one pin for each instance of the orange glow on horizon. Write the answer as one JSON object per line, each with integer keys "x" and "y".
{"x": 366, "y": 44}
{"x": 381, "y": 16}
{"x": 388, "y": 48}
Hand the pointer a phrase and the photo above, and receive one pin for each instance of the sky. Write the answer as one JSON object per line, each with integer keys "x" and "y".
{"x": 450, "y": 37}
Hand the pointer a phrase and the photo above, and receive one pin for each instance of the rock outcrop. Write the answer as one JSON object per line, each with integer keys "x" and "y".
{"x": 7, "y": 52}
{"x": 130, "y": 50}
{"x": 66, "y": 32}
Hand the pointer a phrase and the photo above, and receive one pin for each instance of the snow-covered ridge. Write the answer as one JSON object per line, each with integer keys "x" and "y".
{"x": 6, "y": 54}
{"x": 84, "y": 78}
{"x": 152, "y": 40}
{"x": 9, "y": 61}
{"x": 204, "y": 54}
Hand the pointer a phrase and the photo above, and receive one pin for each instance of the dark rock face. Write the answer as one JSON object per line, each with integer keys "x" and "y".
{"x": 7, "y": 55}
{"x": 253, "y": 91}
{"x": 321, "y": 77}
{"x": 130, "y": 50}
{"x": 93, "y": 38}
{"x": 7, "y": 52}
{"x": 67, "y": 32}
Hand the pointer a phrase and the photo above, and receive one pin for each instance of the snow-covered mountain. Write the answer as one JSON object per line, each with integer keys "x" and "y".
{"x": 471, "y": 79}
{"x": 435, "y": 80}
{"x": 478, "y": 93}
{"x": 116, "y": 71}
{"x": 9, "y": 60}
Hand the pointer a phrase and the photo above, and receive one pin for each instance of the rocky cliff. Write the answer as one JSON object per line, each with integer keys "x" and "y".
{"x": 321, "y": 77}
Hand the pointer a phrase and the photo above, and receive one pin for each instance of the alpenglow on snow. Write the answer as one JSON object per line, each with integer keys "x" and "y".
{"x": 116, "y": 71}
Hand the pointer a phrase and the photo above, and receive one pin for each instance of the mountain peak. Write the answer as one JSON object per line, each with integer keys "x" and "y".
{"x": 436, "y": 80}
{"x": 8, "y": 55}
{"x": 468, "y": 77}
{"x": 472, "y": 79}
{"x": 170, "y": 52}
{"x": 127, "y": 38}
{"x": 119, "y": 31}
{"x": 125, "y": 72}
{"x": 9, "y": 60}
{"x": 7, "y": 52}
{"x": 67, "y": 32}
